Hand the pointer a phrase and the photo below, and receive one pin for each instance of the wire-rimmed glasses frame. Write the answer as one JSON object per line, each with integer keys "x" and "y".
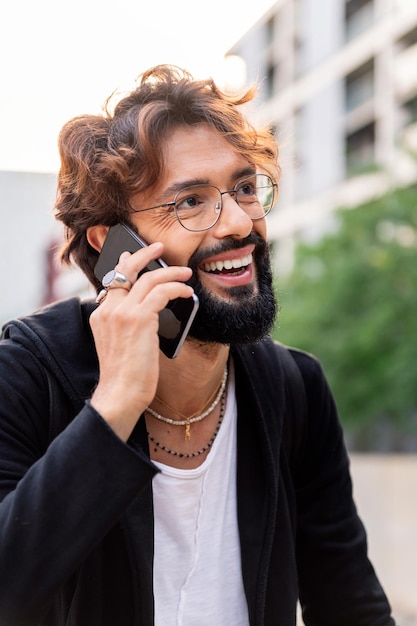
{"x": 198, "y": 207}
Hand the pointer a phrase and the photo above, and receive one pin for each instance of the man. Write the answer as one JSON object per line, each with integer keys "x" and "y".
{"x": 208, "y": 489}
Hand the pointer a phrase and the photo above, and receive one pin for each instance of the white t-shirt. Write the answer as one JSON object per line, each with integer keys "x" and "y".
{"x": 197, "y": 564}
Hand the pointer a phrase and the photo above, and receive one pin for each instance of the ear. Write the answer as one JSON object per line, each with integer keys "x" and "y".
{"x": 96, "y": 236}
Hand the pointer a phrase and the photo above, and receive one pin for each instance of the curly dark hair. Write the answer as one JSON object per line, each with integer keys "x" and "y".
{"x": 107, "y": 158}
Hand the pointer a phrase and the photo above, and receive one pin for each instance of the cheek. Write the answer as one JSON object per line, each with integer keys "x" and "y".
{"x": 260, "y": 227}
{"x": 179, "y": 246}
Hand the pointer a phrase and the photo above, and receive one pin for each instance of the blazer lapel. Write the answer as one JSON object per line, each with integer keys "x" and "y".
{"x": 260, "y": 405}
{"x": 138, "y": 525}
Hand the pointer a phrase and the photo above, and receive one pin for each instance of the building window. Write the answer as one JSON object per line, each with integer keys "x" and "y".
{"x": 359, "y": 15}
{"x": 270, "y": 80}
{"x": 300, "y": 28}
{"x": 300, "y": 156}
{"x": 408, "y": 40}
{"x": 270, "y": 31}
{"x": 360, "y": 150}
{"x": 409, "y": 109}
{"x": 359, "y": 86}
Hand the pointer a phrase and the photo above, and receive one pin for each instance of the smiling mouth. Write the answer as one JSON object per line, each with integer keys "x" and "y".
{"x": 228, "y": 266}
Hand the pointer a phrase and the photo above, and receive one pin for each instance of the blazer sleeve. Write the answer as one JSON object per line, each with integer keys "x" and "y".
{"x": 56, "y": 501}
{"x": 338, "y": 584}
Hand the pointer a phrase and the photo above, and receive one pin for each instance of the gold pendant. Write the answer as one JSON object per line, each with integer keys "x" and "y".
{"x": 187, "y": 431}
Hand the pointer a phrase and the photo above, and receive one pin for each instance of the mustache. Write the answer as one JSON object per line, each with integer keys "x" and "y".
{"x": 226, "y": 245}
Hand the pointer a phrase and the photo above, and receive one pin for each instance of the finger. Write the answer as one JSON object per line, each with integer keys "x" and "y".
{"x": 149, "y": 280}
{"x": 158, "y": 297}
{"x": 168, "y": 283}
{"x": 124, "y": 267}
{"x": 144, "y": 316}
{"x": 132, "y": 264}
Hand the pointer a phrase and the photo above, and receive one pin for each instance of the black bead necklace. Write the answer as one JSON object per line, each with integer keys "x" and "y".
{"x": 190, "y": 455}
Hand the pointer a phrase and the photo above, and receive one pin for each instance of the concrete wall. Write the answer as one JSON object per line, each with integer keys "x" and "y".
{"x": 385, "y": 490}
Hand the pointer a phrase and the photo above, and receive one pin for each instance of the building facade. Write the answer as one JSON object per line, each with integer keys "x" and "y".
{"x": 338, "y": 83}
{"x": 29, "y": 241}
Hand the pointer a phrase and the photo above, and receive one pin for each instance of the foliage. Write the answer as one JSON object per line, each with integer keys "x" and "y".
{"x": 352, "y": 301}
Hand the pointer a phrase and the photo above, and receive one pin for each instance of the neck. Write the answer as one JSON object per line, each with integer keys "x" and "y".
{"x": 187, "y": 383}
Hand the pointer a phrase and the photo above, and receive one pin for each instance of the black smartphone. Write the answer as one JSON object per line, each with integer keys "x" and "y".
{"x": 175, "y": 320}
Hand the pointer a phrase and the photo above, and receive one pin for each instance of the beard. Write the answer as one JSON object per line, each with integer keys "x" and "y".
{"x": 248, "y": 314}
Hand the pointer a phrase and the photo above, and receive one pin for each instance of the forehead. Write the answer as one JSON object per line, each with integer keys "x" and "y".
{"x": 199, "y": 152}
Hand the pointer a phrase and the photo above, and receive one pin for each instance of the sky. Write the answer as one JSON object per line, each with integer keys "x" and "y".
{"x": 61, "y": 59}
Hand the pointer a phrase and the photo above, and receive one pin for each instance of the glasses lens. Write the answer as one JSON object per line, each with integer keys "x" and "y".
{"x": 198, "y": 207}
{"x": 256, "y": 195}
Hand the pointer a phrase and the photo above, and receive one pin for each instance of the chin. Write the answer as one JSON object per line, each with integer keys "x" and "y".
{"x": 246, "y": 316}
{"x": 241, "y": 314}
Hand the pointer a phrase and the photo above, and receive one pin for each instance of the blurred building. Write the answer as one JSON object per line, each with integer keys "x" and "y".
{"x": 338, "y": 82}
{"x": 29, "y": 239}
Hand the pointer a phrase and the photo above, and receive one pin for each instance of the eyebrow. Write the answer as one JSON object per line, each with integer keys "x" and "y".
{"x": 179, "y": 185}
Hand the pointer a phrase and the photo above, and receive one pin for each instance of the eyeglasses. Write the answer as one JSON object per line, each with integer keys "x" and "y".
{"x": 198, "y": 207}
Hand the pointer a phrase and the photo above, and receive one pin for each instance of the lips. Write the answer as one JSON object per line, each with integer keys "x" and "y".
{"x": 228, "y": 265}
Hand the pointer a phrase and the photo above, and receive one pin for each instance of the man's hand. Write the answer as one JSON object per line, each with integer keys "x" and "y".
{"x": 125, "y": 330}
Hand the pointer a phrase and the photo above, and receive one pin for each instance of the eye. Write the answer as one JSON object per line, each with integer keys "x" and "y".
{"x": 195, "y": 199}
{"x": 188, "y": 202}
{"x": 246, "y": 188}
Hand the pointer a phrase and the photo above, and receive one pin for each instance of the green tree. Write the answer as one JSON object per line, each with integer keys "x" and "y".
{"x": 352, "y": 300}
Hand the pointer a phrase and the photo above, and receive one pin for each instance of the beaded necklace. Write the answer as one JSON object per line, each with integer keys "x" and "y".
{"x": 190, "y": 455}
{"x": 187, "y": 421}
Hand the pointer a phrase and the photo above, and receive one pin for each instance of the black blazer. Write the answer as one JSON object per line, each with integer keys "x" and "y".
{"x": 76, "y": 518}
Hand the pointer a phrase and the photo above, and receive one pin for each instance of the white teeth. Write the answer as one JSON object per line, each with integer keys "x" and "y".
{"x": 228, "y": 264}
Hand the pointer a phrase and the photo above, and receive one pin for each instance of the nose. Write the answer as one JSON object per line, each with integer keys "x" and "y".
{"x": 233, "y": 221}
